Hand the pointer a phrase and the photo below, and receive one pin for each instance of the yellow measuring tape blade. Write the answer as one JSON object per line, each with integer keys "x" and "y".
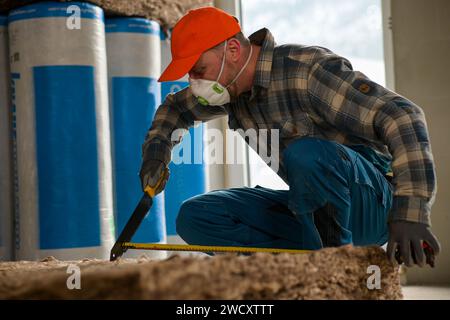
{"x": 182, "y": 247}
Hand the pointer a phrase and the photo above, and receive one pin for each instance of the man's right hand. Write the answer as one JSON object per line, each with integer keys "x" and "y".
{"x": 151, "y": 171}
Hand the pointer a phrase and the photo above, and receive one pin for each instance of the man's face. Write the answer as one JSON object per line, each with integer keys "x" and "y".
{"x": 208, "y": 67}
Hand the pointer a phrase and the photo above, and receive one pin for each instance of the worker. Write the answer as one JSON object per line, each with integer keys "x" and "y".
{"x": 356, "y": 156}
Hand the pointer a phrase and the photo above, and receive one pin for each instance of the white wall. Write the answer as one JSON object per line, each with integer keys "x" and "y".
{"x": 421, "y": 41}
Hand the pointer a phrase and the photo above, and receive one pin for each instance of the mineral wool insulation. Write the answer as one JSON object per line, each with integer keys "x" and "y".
{"x": 134, "y": 65}
{"x": 334, "y": 273}
{"x": 60, "y": 97}
{"x": 188, "y": 169}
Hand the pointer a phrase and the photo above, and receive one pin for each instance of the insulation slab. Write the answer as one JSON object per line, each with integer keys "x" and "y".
{"x": 332, "y": 273}
{"x": 167, "y": 12}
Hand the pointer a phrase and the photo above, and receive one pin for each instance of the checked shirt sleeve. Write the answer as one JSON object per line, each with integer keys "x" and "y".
{"x": 178, "y": 111}
{"x": 357, "y": 106}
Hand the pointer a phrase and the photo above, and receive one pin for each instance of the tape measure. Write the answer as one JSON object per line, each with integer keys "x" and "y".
{"x": 197, "y": 248}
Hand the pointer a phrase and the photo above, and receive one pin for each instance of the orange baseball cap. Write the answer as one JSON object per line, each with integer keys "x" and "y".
{"x": 196, "y": 32}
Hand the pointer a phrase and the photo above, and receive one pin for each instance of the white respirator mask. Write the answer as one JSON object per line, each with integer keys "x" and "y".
{"x": 212, "y": 93}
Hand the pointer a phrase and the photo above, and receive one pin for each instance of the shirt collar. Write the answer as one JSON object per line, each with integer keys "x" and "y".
{"x": 263, "y": 38}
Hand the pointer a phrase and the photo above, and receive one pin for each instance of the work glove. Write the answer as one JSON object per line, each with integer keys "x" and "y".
{"x": 412, "y": 243}
{"x": 151, "y": 172}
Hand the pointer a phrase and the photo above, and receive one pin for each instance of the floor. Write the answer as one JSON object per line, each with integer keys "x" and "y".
{"x": 426, "y": 293}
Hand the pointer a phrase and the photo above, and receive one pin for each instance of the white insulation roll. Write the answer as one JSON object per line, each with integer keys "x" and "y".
{"x": 64, "y": 202}
{"x": 6, "y": 225}
{"x": 134, "y": 65}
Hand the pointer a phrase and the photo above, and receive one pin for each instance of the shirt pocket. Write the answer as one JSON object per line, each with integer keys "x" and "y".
{"x": 296, "y": 127}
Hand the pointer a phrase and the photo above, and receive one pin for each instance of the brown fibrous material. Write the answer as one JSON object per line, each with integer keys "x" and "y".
{"x": 332, "y": 273}
{"x": 166, "y": 12}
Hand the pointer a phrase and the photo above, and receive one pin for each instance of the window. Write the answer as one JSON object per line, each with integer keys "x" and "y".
{"x": 352, "y": 29}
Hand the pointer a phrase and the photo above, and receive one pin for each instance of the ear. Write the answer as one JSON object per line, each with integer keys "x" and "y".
{"x": 234, "y": 49}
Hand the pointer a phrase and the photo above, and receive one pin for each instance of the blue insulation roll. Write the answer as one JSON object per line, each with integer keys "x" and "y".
{"x": 186, "y": 179}
{"x": 61, "y": 136}
{"x": 134, "y": 64}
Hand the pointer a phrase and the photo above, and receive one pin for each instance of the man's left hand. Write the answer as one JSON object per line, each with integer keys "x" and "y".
{"x": 412, "y": 243}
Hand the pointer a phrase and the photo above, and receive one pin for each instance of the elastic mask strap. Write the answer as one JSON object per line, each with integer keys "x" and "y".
{"x": 223, "y": 61}
{"x": 243, "y": 68}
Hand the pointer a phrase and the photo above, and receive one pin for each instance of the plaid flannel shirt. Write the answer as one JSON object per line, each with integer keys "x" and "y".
{"x": 310, "y": 91}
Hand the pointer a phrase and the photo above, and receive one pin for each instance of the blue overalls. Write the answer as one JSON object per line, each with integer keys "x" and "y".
{"x": 335, "y": 197}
